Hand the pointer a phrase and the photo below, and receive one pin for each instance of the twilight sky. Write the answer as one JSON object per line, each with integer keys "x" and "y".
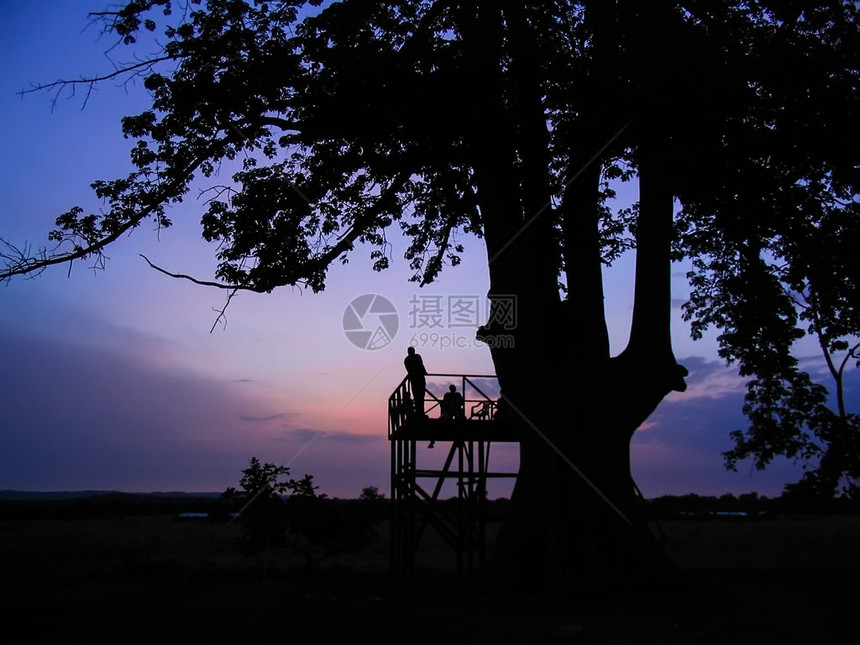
{"x": 113, "y": 380}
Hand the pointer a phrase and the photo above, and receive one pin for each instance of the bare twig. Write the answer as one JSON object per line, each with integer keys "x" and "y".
{"x": 222, "y": 313}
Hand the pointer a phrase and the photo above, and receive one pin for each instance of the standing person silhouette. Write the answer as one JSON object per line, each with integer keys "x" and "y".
{"x": 416, "y": 372}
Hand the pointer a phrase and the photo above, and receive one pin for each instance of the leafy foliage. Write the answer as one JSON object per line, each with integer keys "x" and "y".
{"x": 770, "y": 233}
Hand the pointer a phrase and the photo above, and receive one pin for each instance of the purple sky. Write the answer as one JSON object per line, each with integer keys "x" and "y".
{"x": 112, "y": 379}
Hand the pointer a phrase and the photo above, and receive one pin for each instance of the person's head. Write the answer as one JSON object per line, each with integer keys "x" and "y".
{"x": 410, "y": 350}
{"x": 452, "y": 388}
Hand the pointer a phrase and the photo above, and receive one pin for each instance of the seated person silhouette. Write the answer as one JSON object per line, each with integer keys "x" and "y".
{"x": 452, "y": 405}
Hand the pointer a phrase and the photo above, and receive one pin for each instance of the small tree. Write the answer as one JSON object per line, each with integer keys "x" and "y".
{"x": 288, "y": 514}
{"x": 371, "y": 494}
{"x": 372, "y": 507}
{"x": 263, "y": 513}
{"x": 315, "y": 528}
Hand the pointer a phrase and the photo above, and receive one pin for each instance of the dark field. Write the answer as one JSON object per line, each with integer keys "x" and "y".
{"x": 159, "y": 579}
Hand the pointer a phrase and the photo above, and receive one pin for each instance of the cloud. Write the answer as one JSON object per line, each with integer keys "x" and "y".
{"x": 75, "y": 417}
{"x": 708, "y": 379}
{"x": 250, "y": 418}
{"x": 678, "y": 449}
{"x": 308, "y": 434}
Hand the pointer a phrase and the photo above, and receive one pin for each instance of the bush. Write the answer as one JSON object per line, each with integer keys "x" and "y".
{"x": 279, "y": 512}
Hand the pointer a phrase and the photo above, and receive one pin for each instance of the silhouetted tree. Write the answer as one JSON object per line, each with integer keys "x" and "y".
{"x": 507, "y": 120}
{"x": 372, "y": 508}
{"x": 287, "y": 513}
{"x": 370, "y": 494}
{"x": 262, "y": 511}
{"x": 771, "y": 225}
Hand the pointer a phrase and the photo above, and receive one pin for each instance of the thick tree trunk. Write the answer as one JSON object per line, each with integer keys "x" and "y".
{"x": 574, "y": 513}
{"x": 575, "y": 521}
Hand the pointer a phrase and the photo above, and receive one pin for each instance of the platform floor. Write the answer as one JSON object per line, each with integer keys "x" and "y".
{"x": 435, "y": 429}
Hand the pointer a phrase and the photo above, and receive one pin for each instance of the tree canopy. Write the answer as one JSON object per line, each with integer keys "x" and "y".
{"x": 342, "y": 122}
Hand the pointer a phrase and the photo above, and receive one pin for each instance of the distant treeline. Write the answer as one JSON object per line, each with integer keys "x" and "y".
{"x": 209, "y": 505}
{"x": 83, "y": 506}
{"x": 746, "y": 505}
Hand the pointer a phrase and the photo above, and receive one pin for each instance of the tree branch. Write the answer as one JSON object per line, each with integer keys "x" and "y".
{"x": 23, "y": 265}
{"x": 160, "y": 196}
{"x": 134, "y": 69}
{"x": 278, "y": 122}
{"x": 432, "y": 267}
{"x": 222, "y": 312}
{"x": 359, "y": 226}
{"x": 204, "y": 283}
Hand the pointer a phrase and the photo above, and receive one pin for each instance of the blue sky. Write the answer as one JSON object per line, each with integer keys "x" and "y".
{"x": 115, "y": 379}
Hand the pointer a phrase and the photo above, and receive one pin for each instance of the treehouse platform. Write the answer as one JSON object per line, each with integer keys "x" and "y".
{"x": 440, "y": 467}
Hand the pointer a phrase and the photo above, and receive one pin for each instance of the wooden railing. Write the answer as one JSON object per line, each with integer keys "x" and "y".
{"x": 478, "y": 390}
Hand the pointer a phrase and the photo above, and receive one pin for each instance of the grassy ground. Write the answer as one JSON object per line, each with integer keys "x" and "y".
{"x": 136, "y": 579}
